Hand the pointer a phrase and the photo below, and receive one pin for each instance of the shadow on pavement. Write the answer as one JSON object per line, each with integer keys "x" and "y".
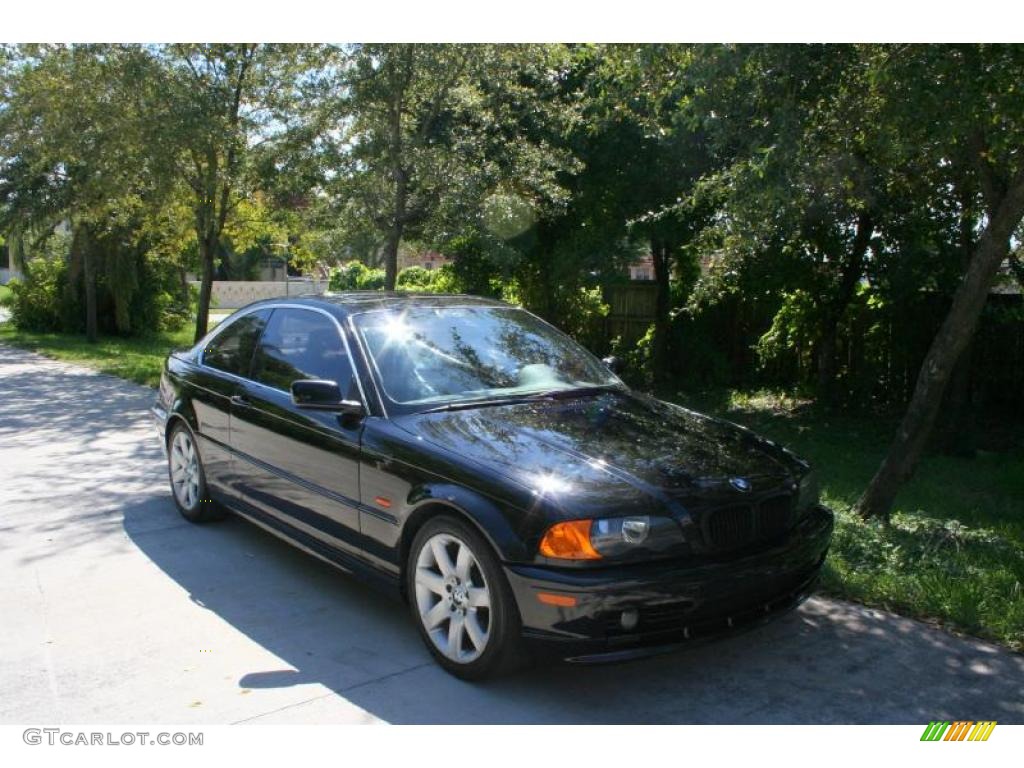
{"x": 826, "y": 662}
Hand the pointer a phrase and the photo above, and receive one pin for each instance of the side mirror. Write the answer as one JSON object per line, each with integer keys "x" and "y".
{"x": 614, "y": 364}
{"x": 325, "y": 396}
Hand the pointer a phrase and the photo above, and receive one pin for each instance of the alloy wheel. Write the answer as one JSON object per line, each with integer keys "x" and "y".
{"x": 453, "y": 598}
{"x": 185, "y": 474}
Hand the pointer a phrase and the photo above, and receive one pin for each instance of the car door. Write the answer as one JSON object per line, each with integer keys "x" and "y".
{"x": 299, "y": 466}
{"x": 217, "y": 380}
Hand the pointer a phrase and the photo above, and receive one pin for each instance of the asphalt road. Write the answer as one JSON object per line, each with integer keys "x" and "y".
{"x": 114, "y": 609}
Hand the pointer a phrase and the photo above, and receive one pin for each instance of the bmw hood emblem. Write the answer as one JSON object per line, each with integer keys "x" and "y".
{"x": 740, "y": 483}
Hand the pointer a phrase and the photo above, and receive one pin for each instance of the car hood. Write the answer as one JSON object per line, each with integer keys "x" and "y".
{"x": 617, "y": 449}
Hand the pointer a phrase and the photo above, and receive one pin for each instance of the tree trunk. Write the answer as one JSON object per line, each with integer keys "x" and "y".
{"x": 80, "y": 241}
{"x": 852, "y": 271}
{"x": 205, "y": 288}
{"x": 391, "y": 256}
{"x": 16, "y": 251}
{"x": 660, "y": 255}
{"x": 826, "y": 379}
{"x": 397, "y": 228}
{"x": 953, "y": 337}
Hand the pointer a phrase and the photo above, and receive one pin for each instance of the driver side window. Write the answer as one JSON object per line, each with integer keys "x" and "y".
{"x": 301, "y": 344}
{"x": 232, "y": 349}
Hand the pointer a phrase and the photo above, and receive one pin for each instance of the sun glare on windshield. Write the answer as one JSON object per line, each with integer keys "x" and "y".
{"x": 396, "y": 330}
{"x": 434, "y": 355}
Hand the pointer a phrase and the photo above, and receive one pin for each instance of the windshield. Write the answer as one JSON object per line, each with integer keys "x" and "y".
{"x": 436, "y": 355}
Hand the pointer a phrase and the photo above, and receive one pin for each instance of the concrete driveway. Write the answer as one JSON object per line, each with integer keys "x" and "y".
{"x": 114, "y": 609}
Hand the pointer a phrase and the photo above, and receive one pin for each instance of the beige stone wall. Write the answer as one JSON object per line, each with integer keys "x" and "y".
{"x": 232, "y": 294}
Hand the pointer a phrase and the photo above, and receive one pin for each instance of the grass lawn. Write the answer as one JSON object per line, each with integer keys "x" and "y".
{"x": 139, "y": 360}
{"x": 954, "y": 553}
{"x": 5, "y": 294}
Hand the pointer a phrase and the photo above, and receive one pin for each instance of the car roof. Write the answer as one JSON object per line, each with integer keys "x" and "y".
{"x": 352, "y": 302}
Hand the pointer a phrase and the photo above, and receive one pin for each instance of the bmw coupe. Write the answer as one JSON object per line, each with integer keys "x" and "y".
{"x": 495, "y": 475}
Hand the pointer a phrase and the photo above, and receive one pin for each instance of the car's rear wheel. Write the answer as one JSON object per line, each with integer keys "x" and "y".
{"x": 461, "y": 601}
{"x": 188, "y": 481}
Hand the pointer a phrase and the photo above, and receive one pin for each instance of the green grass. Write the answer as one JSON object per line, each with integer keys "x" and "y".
{"x": 136, "y": 359}
{"x": 954, "y": 553}
{"x": 5, "y": 294}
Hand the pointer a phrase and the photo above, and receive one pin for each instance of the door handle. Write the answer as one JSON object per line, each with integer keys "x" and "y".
{"x": 241, "y": 400}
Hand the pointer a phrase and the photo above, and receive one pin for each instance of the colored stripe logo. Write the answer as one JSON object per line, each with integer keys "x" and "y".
{"x": 960, "y": 730}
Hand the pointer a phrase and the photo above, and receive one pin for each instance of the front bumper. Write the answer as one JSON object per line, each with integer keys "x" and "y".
{"x": 675, "y": 602}
{"x": 159, "y": 416}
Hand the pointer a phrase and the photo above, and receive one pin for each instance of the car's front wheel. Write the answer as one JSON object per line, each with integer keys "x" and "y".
{"x": 461, "y": 601}
{"x": 188, "y": 481}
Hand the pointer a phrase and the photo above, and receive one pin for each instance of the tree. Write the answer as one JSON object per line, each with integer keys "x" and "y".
{"x": 961, "y": 107}
{"x": 640, "y": 162}
{"x": 803, "y": 176}
{"x": 72, "y": 151}
{"x": 217, "y": 111}
{"x": 429, "y": 132}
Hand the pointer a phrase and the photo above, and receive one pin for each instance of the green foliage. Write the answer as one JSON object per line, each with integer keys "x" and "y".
{"x": 792, "y": 331}
{"x": 447, "y": 137}
{"x": 36, "y": 304}
{"x": 136, "y": 293}
{"x": 415, "y": 279}
{"x": 581, "y": 313}
{"x": 440, "y": 280}
{"x": 356, "y": 276}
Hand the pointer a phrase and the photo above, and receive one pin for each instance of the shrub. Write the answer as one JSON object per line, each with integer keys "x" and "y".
{"x": 36, "y": 302}
{"x": 415, "y": 279}
{"x": 440, "y": 280}
{"x": 356, "y": 276}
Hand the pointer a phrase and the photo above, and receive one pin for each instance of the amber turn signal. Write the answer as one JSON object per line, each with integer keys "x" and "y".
{"x": 569, "y": 541}
{"x": 562, "y": 601}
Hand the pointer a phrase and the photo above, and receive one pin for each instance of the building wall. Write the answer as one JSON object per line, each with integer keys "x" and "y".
{"x": 642, "y": 269}
{"x": 232, "y": 294}
{"x": 427, "y": 260}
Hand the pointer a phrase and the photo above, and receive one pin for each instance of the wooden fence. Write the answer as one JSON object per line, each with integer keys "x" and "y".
{"x": 631, "y": 311}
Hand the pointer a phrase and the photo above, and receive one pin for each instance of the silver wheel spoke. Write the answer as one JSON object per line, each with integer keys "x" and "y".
{"x": 476, "y": 633}
{"x": 463, "y": 563}
{"x": 436, "y": 615}
{"x": 479, "y": 597}
{"x": 456, "y": 628}
{"x": 430, "y": 580}
{"x": 444, "y": 563}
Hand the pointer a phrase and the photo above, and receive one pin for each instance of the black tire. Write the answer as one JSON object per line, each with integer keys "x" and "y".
{"x": 503, "y": 651}
{"x": 203, "y": 509}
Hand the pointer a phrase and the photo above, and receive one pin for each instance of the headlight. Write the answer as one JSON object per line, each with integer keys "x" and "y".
{"x": 809, "y": 493}
{"x": 611, "y": 537}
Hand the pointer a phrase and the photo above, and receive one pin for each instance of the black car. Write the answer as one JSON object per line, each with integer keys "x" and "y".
{"x": 492, "y": 472}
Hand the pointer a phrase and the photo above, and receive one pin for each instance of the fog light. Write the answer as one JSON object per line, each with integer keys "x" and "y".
{"x": 629, "y": 619}
{"x": 634, "y": 529}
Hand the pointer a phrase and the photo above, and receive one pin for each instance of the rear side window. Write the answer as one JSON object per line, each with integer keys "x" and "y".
{"x": 232, "y": 349}
{"x": 301, "y": 344}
